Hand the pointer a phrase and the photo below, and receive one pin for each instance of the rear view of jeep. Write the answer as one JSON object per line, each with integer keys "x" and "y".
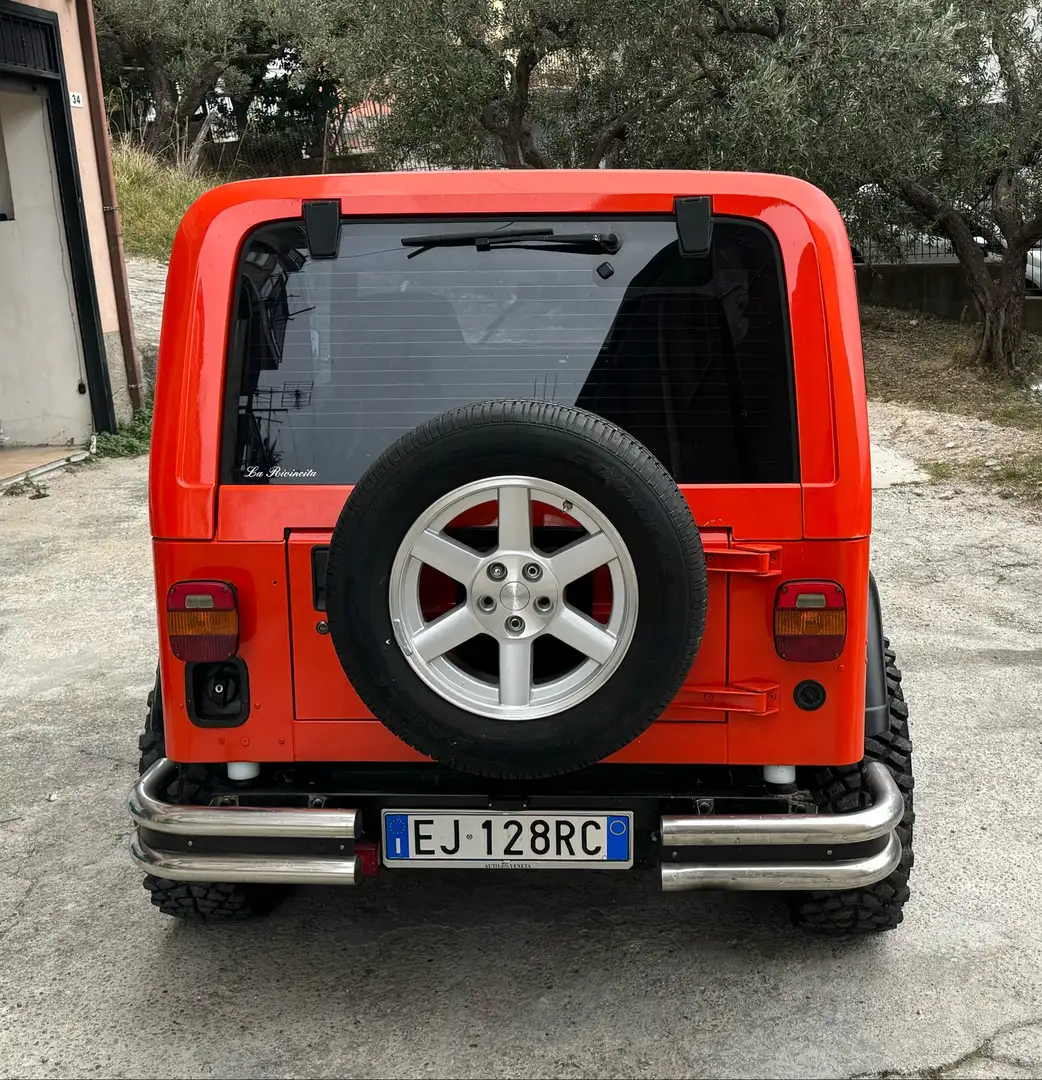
{"x": 518, "y": 521}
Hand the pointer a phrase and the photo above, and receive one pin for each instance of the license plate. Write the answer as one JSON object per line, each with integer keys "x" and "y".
{"x": 507, "y": 839}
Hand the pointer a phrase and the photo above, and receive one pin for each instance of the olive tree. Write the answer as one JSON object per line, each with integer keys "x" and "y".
{"x": 928, "y": 106}
{"x": 173, "y": 57}
{"x": 925, "y": 111}
{"x": 530, "y": 83}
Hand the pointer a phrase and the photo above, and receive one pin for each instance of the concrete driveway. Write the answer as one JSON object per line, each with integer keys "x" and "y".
{"x": 502, "y": 976}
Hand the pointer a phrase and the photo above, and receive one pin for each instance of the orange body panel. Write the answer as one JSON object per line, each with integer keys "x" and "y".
{"x": 323, "y": 692}
{"x": 302, "y": 706}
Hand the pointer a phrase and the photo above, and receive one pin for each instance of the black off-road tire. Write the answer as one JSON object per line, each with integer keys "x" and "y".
{"x": 582, "y": 453}
{"x": 195, "y": 901}
{"x": 840, "y": 789}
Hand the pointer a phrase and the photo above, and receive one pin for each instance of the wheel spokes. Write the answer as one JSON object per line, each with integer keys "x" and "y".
{"x": 446, "y": 633}
{"x": 584, "y": 634}
{"x": 581, "y": 557}
{"x": 512, "y": 594}
{"x": 452, "y": 558}
{"x": 515, "y": 519}
{"x": 515, "y": 671}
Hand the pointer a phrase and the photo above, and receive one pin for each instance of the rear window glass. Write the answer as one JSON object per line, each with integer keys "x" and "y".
{"x": 333, "y": 360}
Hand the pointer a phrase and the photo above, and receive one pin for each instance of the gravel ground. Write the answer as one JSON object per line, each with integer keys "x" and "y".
{"x": 508, "y": 976}
{"x": 939, "y": 436}
{"x": 147, "y": 280}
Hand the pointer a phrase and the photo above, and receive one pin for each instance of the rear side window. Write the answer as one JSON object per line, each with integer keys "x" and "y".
{"x": 333, "y": 360}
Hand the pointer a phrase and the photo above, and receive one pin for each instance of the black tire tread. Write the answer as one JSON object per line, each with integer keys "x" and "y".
{"x": 840, "y": 789}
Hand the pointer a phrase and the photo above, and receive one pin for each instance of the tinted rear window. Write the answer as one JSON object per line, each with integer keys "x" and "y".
{"x": 335, "y": 359}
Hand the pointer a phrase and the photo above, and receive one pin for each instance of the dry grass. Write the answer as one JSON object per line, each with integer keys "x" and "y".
{"x": 1019, "y": 479}
{"x": 920, "y": 360}
{"x": 153, "y": 197}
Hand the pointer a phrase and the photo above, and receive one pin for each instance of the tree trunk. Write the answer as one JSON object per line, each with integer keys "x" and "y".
{"x": 161, "y": 134}
{"x": 196, "y": 151}
{"x": 1002, "y": 315}
{"x": 1000, "y": 299}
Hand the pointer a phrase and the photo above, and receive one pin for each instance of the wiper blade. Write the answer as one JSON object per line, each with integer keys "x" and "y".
{"x": 593, "y": 243}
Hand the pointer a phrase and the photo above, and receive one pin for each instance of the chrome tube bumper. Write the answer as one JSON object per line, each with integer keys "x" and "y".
{"x": 272, "y": 869}
{"x": 782, "y": 851}
{"x": 792, "y": 832}
{"x": 157, "y": 818}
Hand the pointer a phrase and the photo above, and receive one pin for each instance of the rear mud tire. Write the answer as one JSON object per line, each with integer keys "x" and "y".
{"x": 837, "y": 790}
{"x": 190, "y": 900}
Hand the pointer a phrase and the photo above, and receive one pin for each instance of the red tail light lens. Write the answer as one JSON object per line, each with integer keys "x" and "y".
{"x": 202, "y": 620}
{"x": 810, "y": 621}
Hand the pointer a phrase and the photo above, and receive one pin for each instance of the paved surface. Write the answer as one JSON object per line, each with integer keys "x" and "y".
{"x": 475, "y": 975}
{"x": 146, "y": 279}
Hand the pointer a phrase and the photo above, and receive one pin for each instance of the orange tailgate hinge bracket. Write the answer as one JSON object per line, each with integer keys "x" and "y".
{"x": 760, "y": 560}
{"x": 752, "y": 698}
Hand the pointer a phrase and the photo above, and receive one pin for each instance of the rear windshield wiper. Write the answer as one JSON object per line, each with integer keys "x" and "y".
{"x": 544, "y": 239}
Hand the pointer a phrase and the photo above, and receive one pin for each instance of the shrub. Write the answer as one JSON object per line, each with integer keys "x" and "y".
{"x": 153, "y": 197}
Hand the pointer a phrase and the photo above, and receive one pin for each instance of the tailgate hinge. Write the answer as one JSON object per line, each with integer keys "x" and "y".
{"x": 754, "y": 697}
{"x": 761, "y": 560}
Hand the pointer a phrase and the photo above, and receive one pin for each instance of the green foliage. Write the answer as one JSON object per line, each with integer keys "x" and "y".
{"x": 918, "y": 116}
{"x": 534, "y": 84}
{"x": 132, "y": 440}
{"x": 892, "y": 94}
{"x": 932, "y": 105}
{"x": 168, "y": 63}
{"x": 926, "y": 110}
{"x": 153, "y": 197}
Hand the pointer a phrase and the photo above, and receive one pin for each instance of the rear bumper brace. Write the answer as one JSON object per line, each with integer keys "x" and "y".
{"x": 151, "y": 814}
{"x": 788, "y": 833}
{"x": 774, "y": 842}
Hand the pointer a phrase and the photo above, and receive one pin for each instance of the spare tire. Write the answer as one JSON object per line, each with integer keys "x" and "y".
{"x": 514, "y": 651}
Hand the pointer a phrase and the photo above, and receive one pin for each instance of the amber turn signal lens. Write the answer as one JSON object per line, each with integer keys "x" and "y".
{"x": 202, "y": 621}
{"x": 810, "y": 621}
{"x": 793, "y": 623}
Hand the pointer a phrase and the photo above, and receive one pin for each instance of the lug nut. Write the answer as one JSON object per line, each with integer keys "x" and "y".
{"x": 515, "y": 624}
{"x": 533, "y": 571}
{"x": 543, "y": 603}
{"x": 497, "y": 571}
{"x": 487, "y": 603}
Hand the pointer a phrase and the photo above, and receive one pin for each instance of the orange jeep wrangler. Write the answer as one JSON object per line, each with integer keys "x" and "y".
{"x": 518, "y": 520}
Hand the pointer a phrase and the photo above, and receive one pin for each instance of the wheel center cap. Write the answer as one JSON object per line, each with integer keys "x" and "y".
{"x": 514, "y": 596}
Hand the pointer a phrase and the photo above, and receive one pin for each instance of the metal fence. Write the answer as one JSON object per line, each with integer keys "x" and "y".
{"x": 907, "y": 246}
{"x": 262, "y": 146}
{"x": 907, "y": 242}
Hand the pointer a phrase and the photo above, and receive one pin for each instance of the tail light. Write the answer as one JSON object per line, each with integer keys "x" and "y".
{"x": 810, "y": 621}
{"x": 202, "y": 620}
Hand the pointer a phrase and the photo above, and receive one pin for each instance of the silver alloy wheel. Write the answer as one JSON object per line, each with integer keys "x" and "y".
{"x": 524, "y": 606}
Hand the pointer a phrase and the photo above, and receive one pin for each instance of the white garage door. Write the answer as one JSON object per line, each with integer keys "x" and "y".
{"x": 41, "y": 360}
